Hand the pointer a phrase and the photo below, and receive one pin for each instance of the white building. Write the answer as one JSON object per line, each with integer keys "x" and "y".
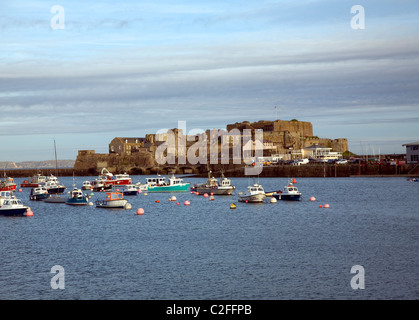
{"x": 319, "y": 153}
{"x": 412, "y": 152}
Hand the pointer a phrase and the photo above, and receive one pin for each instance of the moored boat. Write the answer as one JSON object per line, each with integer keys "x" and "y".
{"x": 77, "y": 198}
{"x": 213, "y": 186}
{"x": 290, "y": 192}
{"x": 7, "y": 184}
{"x": 108, "y": 178}
{"x": 98, "y": 185}
{"x": 130, "y": 190}
{"x": 53, "y": 185}
{"x": 86, "y": 185}
{"x": 35, "y": 181}
{"x": 254, "y": 194}
{"x": 173, "y": 185}
{"x": 141, "y": 187}
{"x": 13, "y": 207}
{"x": 39, "y": 193}
{"x": 113, "y": 200}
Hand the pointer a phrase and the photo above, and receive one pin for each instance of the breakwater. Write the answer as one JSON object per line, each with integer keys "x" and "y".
{"x": 308, "y": 170}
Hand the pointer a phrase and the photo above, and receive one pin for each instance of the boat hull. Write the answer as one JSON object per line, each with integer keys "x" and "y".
{"x": 114, "y": 204}
{"x": 77, "y": 202}
{"x": 29, "y": 185}
{"x": 39, "y": 197}
{"x": 118, "y": 182}
{"x": 290, "y": 197}
{"x": 56, "y": 190}
{"x": 175, "y": 188}
{"x": 255, "y": 198}
{"x": 130, "y": 193}
{"x": 11, "y": 187}
{"x": 214, "y": 191}
{"x": 13, "y": 212}
{"x": 102, "y": 187}
{"x": 55, "y": 200}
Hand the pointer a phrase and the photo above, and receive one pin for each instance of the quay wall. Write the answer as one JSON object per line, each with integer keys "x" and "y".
{"x": 308, "y": 170}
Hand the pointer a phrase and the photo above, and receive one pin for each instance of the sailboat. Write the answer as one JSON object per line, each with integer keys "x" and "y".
{"x": 53, "y": 186}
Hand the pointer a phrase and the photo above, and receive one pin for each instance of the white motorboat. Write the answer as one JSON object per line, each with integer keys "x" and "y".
{"x": 290, "y": 192}
{"x": 254, "y": 194}
{"x": 13, "y": 207}
{"x": 53, "y": 185}
{"x": 86, "y": 185}
{"x": 113, "y": 200}
{"x": 130, "y": 190}
{"x": 141, "y": 187}
{"x": 213, "y": 186}
{"x": 39, "y": 193}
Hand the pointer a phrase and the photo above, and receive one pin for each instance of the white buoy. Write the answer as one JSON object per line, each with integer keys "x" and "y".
{"x": 273, "y": 200}
{"x": 128, "y": 206}
{"x": 90, "y": 203}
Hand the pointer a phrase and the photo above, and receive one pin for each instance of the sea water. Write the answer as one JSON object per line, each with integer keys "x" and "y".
{"x": 270, "y": 251}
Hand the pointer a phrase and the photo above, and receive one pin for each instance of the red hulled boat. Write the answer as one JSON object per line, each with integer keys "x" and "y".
{"x": 7, "y": 184}
{"x": 108, "y": 178}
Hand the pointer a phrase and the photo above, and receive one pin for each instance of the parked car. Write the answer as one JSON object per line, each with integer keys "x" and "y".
{"x": 341, "y": 161}
{"x": 300, "y": 162}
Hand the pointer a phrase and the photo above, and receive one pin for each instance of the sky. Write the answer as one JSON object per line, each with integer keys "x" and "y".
{"x": 95, "y": 70}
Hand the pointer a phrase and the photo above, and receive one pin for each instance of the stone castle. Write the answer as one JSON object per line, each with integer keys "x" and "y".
{"x": 282, "y": 138}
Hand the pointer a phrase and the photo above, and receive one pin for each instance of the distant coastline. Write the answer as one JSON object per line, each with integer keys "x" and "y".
{"x": 40, "y": 165}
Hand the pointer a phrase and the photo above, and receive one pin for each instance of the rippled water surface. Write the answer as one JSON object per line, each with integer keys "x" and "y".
{"x": 283, "y": 250}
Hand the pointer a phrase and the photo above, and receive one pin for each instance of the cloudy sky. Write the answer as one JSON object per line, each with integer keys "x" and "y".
{"x": 134, "y": 67}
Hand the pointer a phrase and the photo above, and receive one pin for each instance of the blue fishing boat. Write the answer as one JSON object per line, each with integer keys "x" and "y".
{"x": 77, "y": 198}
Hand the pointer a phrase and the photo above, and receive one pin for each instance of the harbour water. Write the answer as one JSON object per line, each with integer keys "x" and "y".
{"x": 271, "y": 251}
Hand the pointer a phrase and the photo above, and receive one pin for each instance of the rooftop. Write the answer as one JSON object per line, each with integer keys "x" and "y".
{"x": 411, "y": 144}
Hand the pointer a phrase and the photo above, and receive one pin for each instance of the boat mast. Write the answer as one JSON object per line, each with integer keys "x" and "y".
{"x": 56, "y": 162}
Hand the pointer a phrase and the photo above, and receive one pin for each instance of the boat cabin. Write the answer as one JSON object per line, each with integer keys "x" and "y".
{"x": 122, "y": 176}
{"x": 256, "y": 188}
{"x": 290, "y": 188}
{"x": 175, "y": 181}
{"x": 76, "y": 193}
{"x": 111, "y": 196}
{"x": 12, "y": 203}
{"x": 39, "y": 190}
{"x": 225, "y": 182}
{"x": 6, "y": 194}
{"x": 156, "y": 181}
